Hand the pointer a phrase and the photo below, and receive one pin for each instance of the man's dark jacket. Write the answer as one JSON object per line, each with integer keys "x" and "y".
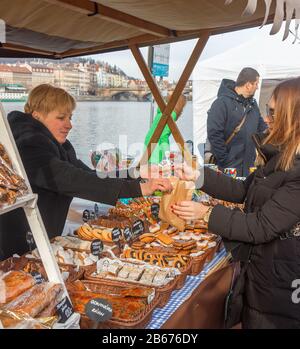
{"x": 57, "y": 176}
{"x": 224, "y": 116}
{"x": 272, "y": 206}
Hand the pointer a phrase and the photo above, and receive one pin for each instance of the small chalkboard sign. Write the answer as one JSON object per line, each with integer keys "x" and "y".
{"x": 96, "y": 247}
{"x": 138, "y": 228}
{"x": 116, "y": 234}
{"x": 37, "y": 277}
{"x": 64, "y": 310}
{"x": 127, "y": 234}
{"x": 98, "y": 310}
{"x": 155, "y": 211}
{"x": 86, "y": 215}
{"x": 96, "y": 210}
{"x": 92, "y": 215}
{"x": 30, "y": 241}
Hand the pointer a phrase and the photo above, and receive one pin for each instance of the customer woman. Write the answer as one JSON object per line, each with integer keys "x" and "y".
{"x": 269, "y": 226}
{"x": 53, "y": 169}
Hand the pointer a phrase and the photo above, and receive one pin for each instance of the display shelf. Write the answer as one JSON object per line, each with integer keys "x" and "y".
{"x": 29, "y": 204}
{"x": 23, "y": 201}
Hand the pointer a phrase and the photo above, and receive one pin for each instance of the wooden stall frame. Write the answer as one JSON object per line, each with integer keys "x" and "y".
{"x": 168, "y": 108}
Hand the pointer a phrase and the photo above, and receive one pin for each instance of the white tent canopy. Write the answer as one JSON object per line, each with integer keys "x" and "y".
{"x": 269, "y": 55}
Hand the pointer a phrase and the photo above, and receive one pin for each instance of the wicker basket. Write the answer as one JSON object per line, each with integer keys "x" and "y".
{"x": 199, "y": 262}
{"x": 185, "y": 271}
{"x": 164, "y": 292}
{"x": 212, "y": 251}
{"x": 14, "y": 263}
{"x": 137, "y": 323}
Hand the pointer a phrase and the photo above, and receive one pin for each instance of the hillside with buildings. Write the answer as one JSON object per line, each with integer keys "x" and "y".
{"x": 83, "y": 78}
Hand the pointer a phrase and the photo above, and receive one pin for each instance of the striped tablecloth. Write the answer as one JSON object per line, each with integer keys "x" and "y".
{"x": 161, "y": 315}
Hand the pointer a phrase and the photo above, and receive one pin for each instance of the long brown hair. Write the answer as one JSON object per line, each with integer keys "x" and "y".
{"x": 285, "y": 133}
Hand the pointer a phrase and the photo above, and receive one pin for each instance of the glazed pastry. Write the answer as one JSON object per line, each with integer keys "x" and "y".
{"x": 164, "y": 239}
{"x": 125, "y": 307}
{"x": 147, "y": 238}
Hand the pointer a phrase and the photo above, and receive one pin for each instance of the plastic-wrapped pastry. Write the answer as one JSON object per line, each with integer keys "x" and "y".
{"x": 33, "y": 301}
{"x": 138, "y": 272}
{"x": 148, "y": 276}
{"x": 73, "y": 242}
{"x": 160, "y": 277}
{"x": 124, "y": 272}
{"x": 14, "y": 283}
{"x": 135, "y": 273}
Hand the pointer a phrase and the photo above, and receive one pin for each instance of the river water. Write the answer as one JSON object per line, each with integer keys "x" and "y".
{"x": 121, "y": 124}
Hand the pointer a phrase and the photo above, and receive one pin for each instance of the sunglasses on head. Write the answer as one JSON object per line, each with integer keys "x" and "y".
{"x": 270, "y": 112}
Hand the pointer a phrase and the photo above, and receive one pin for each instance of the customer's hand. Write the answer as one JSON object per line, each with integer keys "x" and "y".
{"x": 162, "y": 184}
{"x": 185, "y": 172}
{"x": 189, "y": 210}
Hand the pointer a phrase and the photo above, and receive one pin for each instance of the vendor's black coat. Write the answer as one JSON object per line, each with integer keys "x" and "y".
{"x": 57, "y": 176}
{"x": 272, "y": 200}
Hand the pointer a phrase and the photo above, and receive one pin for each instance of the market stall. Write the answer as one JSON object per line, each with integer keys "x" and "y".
{"x": 120, "y": 250}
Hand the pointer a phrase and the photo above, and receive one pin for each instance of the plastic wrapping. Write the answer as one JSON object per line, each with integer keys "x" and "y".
{"x": 12, "y": 320}
{"x": 67, "y": 256}
{"x": 11, "y": 184}
{"x": 140, "y": 273}
{"x": 32, "y": 302}
{"x": 14, "y": 283}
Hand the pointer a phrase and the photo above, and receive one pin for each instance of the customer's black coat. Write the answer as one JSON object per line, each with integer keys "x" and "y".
{"x": 272, "y": 206}
{"x": 57, "y": 176}
{"x": 224, "y": 116}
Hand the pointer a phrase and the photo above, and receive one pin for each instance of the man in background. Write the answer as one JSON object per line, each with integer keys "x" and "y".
{"x": 235, "y": 107}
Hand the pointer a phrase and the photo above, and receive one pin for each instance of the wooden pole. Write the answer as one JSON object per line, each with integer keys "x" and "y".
{"x": 167, "y": 109}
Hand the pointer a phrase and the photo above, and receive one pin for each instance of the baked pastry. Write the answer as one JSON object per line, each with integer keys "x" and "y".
{"x": 127, "y": 305}
{"x": 33, "y": 301}
{"x": 15, "y": 283}
{"x": 160, "y": 259}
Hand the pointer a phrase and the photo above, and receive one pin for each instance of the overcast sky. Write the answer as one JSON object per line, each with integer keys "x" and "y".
{"x": 179, "y": 53}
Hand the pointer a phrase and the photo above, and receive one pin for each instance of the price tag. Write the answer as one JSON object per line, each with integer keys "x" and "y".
{"x": 127, "y": 234}
{"x": 155, "y": 211}
{"x": 96, "y": 209}
{"x": 86, "y": 215}
{"x": 96, "y": 247}
{"x": 98, "y": 310}
{"x": 138, "y": 228}
{"x": 30, "y": 241}
{"x": 37, "y": 277}
{"x": 116, "y": 234}
{"x": 64, "y": 310}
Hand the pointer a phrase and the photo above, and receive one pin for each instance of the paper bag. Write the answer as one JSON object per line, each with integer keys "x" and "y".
{"x": 182, "y": 191}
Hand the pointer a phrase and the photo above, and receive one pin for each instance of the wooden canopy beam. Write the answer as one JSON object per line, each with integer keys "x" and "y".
{"x": 110, "y": 46}
{"x": 20, "y": 48}
{"x": 167, "y": 109}
{"x": 88, "y": 7}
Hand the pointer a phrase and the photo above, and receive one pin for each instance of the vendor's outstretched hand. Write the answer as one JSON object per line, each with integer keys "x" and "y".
{"x": 189, "y": 210}
{"x": 185, "y": 172}
{"x": 162, "y": 184}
